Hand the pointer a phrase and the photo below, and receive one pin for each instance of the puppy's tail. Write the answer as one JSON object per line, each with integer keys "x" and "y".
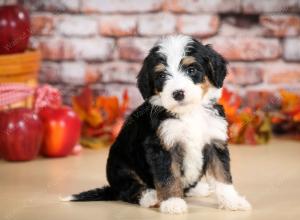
{"x": 105, "y": 193}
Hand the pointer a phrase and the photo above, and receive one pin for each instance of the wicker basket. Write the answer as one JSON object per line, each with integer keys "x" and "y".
{"x": 20, "y": 68}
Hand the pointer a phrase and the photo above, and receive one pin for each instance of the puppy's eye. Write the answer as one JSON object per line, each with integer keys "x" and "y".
{"x": 161, "y": 75}
{"x": 191, "y": 70}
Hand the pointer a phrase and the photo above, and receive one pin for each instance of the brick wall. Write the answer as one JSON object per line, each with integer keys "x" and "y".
{"x": 103, "y": 42}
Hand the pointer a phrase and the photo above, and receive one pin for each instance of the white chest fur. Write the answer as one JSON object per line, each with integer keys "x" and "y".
{"x": 192, "y": 131}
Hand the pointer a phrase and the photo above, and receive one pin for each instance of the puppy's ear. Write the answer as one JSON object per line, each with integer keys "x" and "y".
{"x": 144, "y": 79}
{"x": 217, "y": 67}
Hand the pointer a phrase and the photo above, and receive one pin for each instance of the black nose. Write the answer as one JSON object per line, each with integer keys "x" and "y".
{"x": 178, "y": 95}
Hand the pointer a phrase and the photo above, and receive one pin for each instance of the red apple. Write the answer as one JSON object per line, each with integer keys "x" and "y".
{"x": 61, "y": 131}
{"x": 14, "y": 29}
{"x": 20, "y": 134}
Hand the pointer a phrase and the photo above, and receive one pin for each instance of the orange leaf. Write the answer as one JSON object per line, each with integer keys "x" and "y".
{"x": 289, "y": 100}
{"x": 84, "y": 106}
{"x": 109, "y": 107}
{"x": 125, "y": 103}
{"x": 296, "y": 117}
{"x": 85, "y": 99}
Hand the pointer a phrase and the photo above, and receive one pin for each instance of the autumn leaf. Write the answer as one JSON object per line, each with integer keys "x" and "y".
{"x": 246, "y": 125}
{"x": 85, "y": 107}
{"x": 102, "y": 116}
{"x": 109, "y": 107}
{"x": 231, "y": 103}
{"x": 289, "y": 100}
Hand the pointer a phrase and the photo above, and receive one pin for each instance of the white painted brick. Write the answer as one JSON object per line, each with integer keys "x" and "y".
{"x": 156, "y": 24}
{"x": 123, "y": 72}
{"x": 198, "y": 25}
{"x": 73, "y": 73}
{"x": 77, "y": 26}
{"x": 94, "y": 49}
{"x": 292, "y": 49}
{"x": 127, "y": 6}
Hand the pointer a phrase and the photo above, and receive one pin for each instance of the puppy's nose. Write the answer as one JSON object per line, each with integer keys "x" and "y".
{"x": 178, "y": 95}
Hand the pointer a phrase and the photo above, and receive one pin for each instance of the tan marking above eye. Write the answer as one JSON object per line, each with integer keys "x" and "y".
{"x": 159, "y": 68}
{"x": 188, "y": 60}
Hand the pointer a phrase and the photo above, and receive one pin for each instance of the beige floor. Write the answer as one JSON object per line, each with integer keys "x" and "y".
{"x": 269, "y": 176}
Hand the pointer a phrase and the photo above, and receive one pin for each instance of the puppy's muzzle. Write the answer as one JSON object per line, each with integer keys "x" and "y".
{"x": 178, "y": 95}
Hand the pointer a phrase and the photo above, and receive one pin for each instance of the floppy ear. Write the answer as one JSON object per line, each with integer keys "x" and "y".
{"x": 144, "y": 79}
{"x": 217, "y": 67}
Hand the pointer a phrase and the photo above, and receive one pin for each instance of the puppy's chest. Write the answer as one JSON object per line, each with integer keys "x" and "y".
{"x": 191, "y": 132}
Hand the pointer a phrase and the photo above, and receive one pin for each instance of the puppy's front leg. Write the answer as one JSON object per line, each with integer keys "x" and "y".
{"x": 217, "y": 167}
{"x": 166, "y": 173}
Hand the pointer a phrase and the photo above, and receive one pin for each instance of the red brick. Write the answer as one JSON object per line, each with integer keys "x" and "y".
{"x": 156, "y": 24}
{"x": 53, "y": 5}
{"x": 50, "y": 72}
{"x": 198, "y": 25}
{"x": 42, "y": 24}
{"x": 280, "y": 72}
{"x": 244, "y": 74}
{"x": 77, "y": 26}
{"x": 135, "y": 49}
{"x": 247, "y": 48}
{"x": 240, "y": 25}
{"x": 55, "y": 49}
{"x": 121, "y": 72}
{"x": 129, "y": 6}
{"x": 92, "y": 73}
{"x": 280, "y": 25}
{"x": 229, "y": 30}
{"x": 118, "y": 25}
{"x": 93, "y": 49}
{"x": 195, "y": 6}
{"x": 291, "y": 49}
{"x": 267, "y": 6}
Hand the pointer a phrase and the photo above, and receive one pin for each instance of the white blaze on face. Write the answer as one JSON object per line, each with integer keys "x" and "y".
{"x": 173, "y": 48}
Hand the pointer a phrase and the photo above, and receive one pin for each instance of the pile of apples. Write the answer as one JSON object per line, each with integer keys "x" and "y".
{"x": 49, "y": 128}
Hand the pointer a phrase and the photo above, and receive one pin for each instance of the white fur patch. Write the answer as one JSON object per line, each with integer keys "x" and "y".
{"x": 66, "y": 198}
{"x": 201, "y": 189}
{"x": 149, "y": 198}
{"x": 228, "y": 198}
{"x": 173, "y": 47}
{"x": 193, "y": 130}
{"x": 173, "y": 205}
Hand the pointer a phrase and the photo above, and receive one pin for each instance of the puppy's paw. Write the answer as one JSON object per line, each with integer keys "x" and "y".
{"x": 201, "y": 189}
{"x": 234, "y": 203}
{"x": 149, "y": 198}
{"x": 173, "y": 205}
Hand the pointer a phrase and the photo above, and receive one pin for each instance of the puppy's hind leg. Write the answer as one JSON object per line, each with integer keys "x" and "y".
{"x": 217, "y": 167}
{"x": 128, "y": 185}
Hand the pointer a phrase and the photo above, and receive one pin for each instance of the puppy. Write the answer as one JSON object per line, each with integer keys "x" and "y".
{"x": 176, "y": 137}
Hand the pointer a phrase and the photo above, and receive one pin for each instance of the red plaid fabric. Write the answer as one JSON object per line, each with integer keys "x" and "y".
{"x": 14, "y": 92}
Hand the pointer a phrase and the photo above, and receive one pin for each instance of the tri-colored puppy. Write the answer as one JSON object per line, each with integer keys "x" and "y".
{"x": 176, "y": 137}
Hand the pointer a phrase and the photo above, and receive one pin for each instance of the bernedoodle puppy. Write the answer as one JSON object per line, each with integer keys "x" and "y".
{"x": 176, "y": 137}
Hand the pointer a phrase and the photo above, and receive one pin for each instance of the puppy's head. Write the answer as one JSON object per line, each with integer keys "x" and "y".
{"x": 180, "y": 73}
